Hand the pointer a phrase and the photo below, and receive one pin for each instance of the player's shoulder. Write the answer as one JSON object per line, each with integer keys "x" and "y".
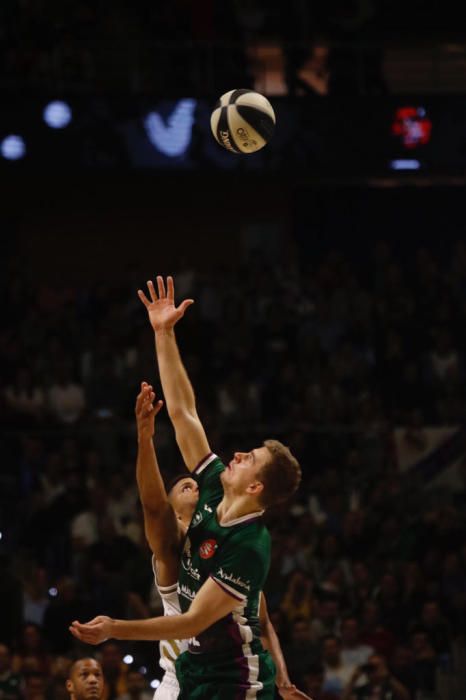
{"x": 211, "y": 463}
{"x": 252, "y": 535}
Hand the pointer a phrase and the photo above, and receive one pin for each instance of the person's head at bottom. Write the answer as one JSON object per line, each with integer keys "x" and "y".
{"x": 85, "y": 680}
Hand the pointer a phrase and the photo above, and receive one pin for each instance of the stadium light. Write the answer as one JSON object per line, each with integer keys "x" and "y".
{"x": 57, "y": 114}
{"x": 128, "y": 659}
{"x": 155, "y": 683}
{"x": 405, "y": 164}
{"x": 13, "y": 147}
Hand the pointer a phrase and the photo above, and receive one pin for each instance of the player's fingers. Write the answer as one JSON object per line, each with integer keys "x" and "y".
{"x": 143, "y": 298}
{"x": 158, "y": 406}
{"x": 161, "y": 287}
{"x": 170, "y": 289}
{"x": 76, "y": 633}
{"x": 151, "y": 288}
{"x": 184, "y": 305}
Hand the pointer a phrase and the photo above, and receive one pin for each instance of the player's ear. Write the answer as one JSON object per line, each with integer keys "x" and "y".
{"x": 255, "y": 488}
{"x": 69, "y": 686}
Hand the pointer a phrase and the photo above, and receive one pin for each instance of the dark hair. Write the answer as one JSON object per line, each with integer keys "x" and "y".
{"x": 280, "y": 475}
{"x": 175, "y": 479}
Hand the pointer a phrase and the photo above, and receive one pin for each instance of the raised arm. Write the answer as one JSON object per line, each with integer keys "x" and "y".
{"x": 270, "y": 641}
{"x": 163, "y": 531}
{"x": 177, "y": 389}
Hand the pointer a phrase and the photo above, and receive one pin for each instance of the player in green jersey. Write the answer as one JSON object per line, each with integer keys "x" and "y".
{"x": 227, "y": 551}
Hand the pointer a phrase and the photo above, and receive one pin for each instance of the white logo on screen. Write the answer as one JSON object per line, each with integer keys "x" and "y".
{"x": 172, "y": 136}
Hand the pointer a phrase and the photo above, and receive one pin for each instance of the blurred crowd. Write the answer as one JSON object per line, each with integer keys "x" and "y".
{"x": 190, "y": 47}
{"x": 367, "y": 588}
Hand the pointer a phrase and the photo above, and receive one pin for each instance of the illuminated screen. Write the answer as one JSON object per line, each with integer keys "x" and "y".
{"x": 325, "y": 136}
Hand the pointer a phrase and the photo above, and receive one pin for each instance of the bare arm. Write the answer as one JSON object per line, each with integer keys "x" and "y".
{"x": 271, "y": 642}
{"x": 162, "y": 529}
{"x": 210, "y": 605}
{"x": 177, "y": 388}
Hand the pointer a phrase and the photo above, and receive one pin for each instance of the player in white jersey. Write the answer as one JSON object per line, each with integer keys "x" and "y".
{"x": 166, "y": 520}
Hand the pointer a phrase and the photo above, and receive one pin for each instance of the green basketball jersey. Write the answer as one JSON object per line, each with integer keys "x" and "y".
{"x": 236, "y": 555}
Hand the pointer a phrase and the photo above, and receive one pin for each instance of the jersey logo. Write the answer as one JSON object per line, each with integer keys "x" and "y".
{"x": 207, "y": 549}
{"x": 207, "y": 508}
{"x": 197, "y": 519}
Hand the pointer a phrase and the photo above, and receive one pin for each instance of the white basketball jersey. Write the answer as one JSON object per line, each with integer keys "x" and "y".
{"x": 170, "y": 649}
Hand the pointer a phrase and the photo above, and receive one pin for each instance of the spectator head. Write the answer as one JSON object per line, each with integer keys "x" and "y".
{"x": 183, "y": 494}
{"x": 350, "y": 631}
{"x": 111, "y": 659}
{"x": 135, "y": 682}
{"x": 86, "y": 680}
{"x": 269, "y": 474}
{"x": 370, "y": 614}
{"x": 376, "y": 668}
{"x": 5, "y": 659}
{"x": 34, "y": 686}
{"x": 420, "y": 641}
{"x": 331, "y": 650}
{"x": 328, "y": 608}
{"x": 31, "y": 639}
{"x": 430, "y": 614}
{"x": 389, "y": 587}
{"x": 401, "y": 658}
{"x": 300, "y": 631}
{"x": 360, "y": 573}
{"x": 314, "y": 679}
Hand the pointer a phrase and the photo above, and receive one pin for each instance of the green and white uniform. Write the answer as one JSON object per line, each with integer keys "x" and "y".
{"x": 227, "y": 660}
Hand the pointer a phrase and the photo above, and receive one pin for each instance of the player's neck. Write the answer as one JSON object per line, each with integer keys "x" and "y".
{"x": 232, "y": 507}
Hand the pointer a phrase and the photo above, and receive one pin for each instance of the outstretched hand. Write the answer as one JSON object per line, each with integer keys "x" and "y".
{"x": 146, "y": 410}
{"x": 163, "y": 314}
{"x": 95, "y": 631}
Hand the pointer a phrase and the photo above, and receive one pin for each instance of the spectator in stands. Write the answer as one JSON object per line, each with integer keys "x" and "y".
{"x": 114, "y": 670}
{"x": 435, "y": 626}
{"x": 85, "y": 680}
{"x": 297, "y": 599}
{"x": 136, "y": 685}
{"x": 314, "y": 682}
{"x": 381, "y": 684}
{"x": 353, "y": 651}
{"x": 35, "y": 686}
{"x": 425, "y": 661}
{"x": 35, "y": 595}
{"x": 337, "y": 673}
{"x": 300, "y": 651}
{"x": 327, "y": 619}
{"x": 25, "y": 398}
{"x": 31, "y": 654}
{"x": 66, "y": 396}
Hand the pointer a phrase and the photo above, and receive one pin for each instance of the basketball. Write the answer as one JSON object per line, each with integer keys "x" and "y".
{"x": 242, "y": 121}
